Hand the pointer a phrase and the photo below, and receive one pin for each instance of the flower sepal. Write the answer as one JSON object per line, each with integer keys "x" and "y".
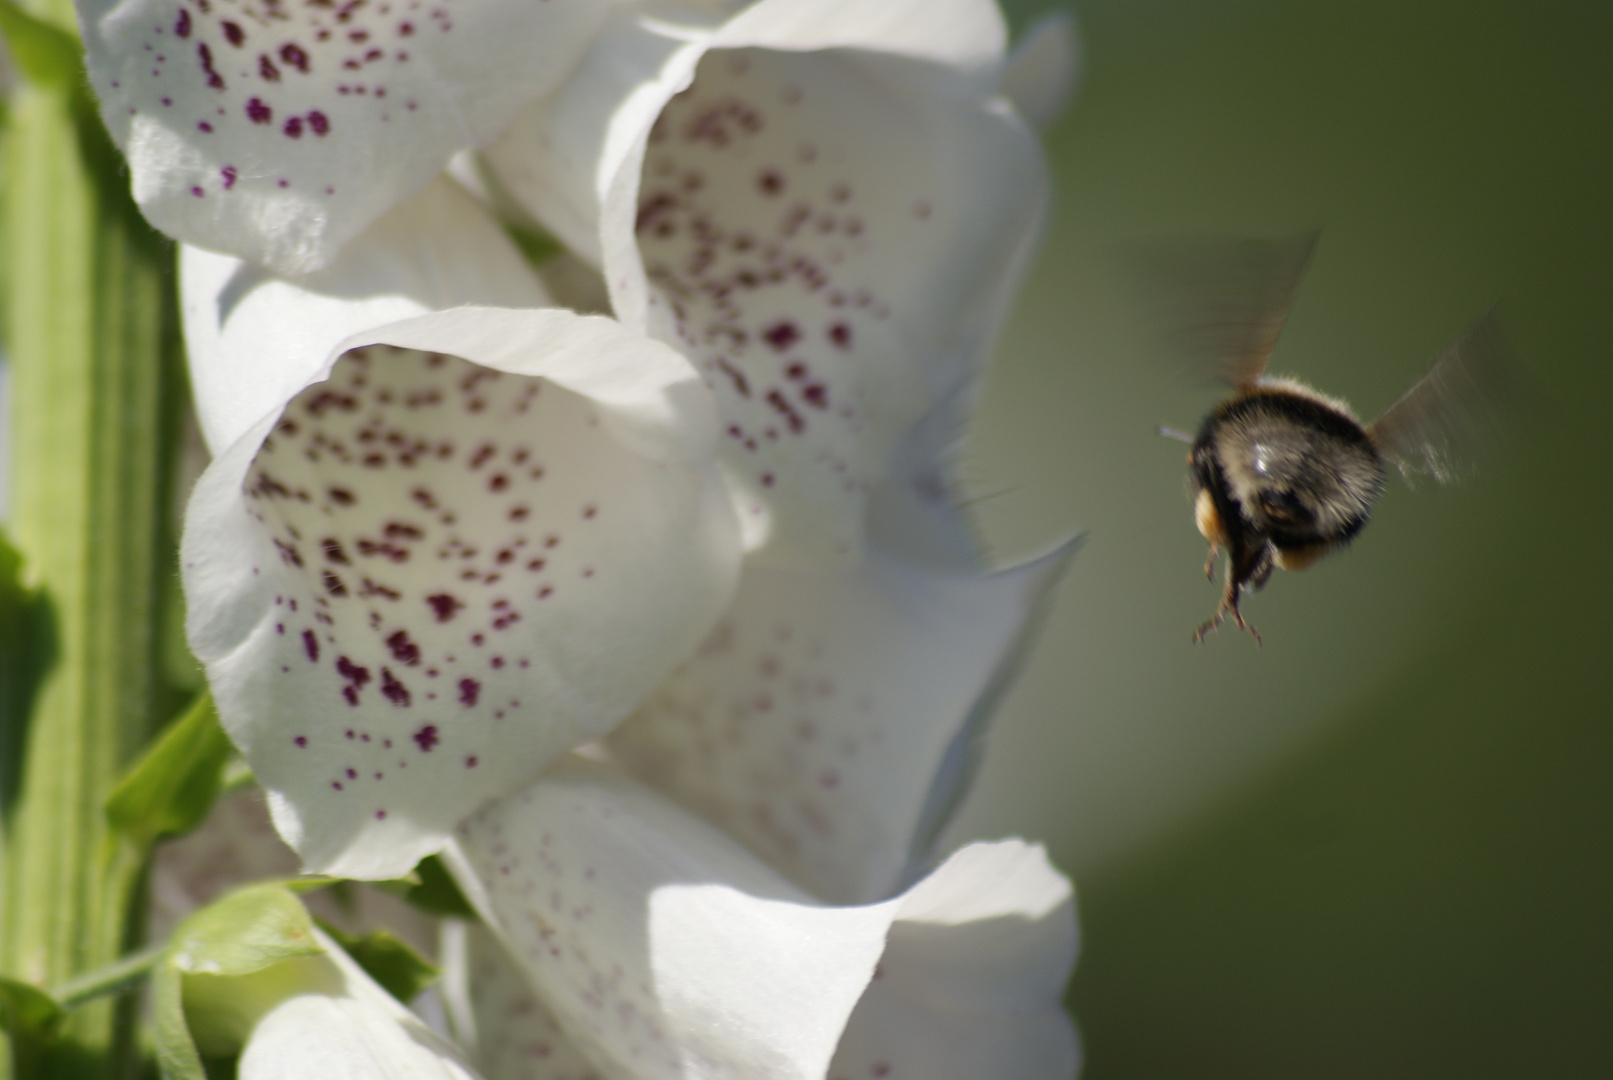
{"x": 252, "y": 975}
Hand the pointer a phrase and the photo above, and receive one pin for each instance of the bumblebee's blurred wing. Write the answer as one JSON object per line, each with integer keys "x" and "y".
{"x": 1220, "y": 303}
{"x": 1441, "y": 425}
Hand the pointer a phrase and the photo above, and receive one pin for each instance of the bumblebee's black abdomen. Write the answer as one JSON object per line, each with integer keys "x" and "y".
{"x": 1287, "y": 465}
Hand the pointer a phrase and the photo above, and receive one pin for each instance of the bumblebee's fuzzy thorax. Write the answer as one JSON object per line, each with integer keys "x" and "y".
{"x": 1287, "y": 465}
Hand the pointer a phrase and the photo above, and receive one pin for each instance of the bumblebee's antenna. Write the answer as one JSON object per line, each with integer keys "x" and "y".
{"x": 1172, "y": 433}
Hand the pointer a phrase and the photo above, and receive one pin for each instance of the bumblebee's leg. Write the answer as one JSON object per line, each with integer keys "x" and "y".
{"x": 1262, "y": 570}
{"x": 1229, "y": 602}
{"x": 1209, "y": 563}
{"x": 1237, "y": 617}
{"x": 1251, "y": 564}
{"x": 1242, "y": 566}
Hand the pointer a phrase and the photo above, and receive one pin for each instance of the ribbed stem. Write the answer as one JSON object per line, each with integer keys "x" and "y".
{"x": 90, "y": 332}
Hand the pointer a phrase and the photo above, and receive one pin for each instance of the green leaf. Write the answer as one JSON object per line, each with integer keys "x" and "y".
{"x": 248, "y": 931}
{"x": 27, "y": 647}
{"x": 171, "y": 788}
{"x": 431, "y": 889}
{"x": 398, "y": 969}
{"x": 536, "y": 245}
{"x": 237, "y": 775}
{"x": 28, "y": 1013}
{"x": 45, "y": 53}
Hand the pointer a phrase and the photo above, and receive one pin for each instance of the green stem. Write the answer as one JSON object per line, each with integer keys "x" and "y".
{"x": 114, "y": 978}
{"x": 90, "y": 331}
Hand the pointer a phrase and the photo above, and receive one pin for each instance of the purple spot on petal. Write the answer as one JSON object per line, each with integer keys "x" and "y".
{"x": 352, "y": 672}
{"x": 393, "y": 690}
{"x": 426, "y": 738}
{"x": 781, "y": 335}
{"x": 301, "y": 740}
{"x": 214, "y": 79}
{"x": 469, "y": 689}
{"x": 181, "y": 25}
{"x": 229, "y": 174}
{"x": 404, "y": 650}
{"x": 443, "y": 606}
{"x": 310, "y": 644}
{"x": 233, "y": 33}
{"x": 258, "y": 112}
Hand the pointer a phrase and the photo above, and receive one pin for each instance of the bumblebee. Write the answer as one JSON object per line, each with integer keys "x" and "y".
{"x": 1281, "y": 474}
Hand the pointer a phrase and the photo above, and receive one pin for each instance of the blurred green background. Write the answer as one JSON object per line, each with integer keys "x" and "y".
{"x": 1380, "y": 845}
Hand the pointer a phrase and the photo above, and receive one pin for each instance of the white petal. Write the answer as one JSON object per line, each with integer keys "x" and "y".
{"x": 829, "y": 238}
{"x": 359, "y": 1033}
{"x": 814, "y": 721}
{"x": 438, "y": 573}
{"x": 254, "y": 339}
{"x": 667, "y": 951}
{"x": 972, "y": 977}
{"x": 915, "y": 512}
{"x": 1042, "y": 73}
{"x": 663, "y": 948}
{"x": 343, "y": 1039}
{"x": 494, "y": 1010}
{"x": 278, "y": 133}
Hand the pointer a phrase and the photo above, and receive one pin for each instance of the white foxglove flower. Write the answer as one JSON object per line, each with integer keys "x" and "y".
{"x": 830, "y": 720}
{"x": 438, "y": 545}
{"x": 828, "y": 724}
{"x": 278, "y": 131}
{"x": 824, "y": 204}
{"x": 666, "y": 950}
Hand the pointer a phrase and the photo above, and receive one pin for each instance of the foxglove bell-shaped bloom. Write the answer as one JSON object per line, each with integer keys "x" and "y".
{"x": 438, "y": 545}
{"x": 277, "y": 131}
{"x": 830, "y": 719}
{"x": 823, "y": 204}
{"x": 828, "y": 724}
{"x": 663, "y": 949}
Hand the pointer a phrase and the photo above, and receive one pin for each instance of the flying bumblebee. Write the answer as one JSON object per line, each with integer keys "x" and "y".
{"x": 1281, "y": 474}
